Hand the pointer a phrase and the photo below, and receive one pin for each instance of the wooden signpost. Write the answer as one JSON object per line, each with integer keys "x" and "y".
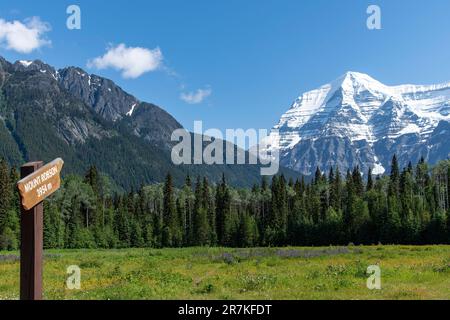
{"x": 38, "y": 182}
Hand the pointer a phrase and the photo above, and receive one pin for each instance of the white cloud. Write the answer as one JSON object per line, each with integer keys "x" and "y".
{"x": 24, "y": 37}
{"x": 132, "y": 61}
{"x": 197, "y": 96}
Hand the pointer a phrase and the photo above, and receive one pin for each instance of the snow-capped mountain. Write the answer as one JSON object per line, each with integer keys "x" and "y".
{"x": 356, "y": 120}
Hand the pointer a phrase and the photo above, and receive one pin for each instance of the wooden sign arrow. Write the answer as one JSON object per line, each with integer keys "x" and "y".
{"x": 39, "y": 185}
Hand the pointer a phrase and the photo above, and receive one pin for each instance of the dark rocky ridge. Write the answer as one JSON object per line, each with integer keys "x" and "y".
{"x": 45, "y": 114}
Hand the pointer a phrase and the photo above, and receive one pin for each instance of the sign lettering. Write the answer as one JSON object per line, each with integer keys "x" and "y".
{"x": 40, "y": 184}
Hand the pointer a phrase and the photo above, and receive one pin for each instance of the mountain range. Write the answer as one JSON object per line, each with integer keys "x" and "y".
{"x": 88, "y": 120}
{"x": 358, "y": 121}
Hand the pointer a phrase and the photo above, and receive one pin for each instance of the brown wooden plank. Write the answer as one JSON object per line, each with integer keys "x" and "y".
{"x": 40, "y": 184}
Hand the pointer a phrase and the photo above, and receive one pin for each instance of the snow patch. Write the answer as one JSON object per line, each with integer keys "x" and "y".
{"x": 25, "y": 63}
{"x": 130, "y": 113}
{"x": 410, "y": 128}
{"x": 378, "y": 169}
{"x": 56, "y": 75}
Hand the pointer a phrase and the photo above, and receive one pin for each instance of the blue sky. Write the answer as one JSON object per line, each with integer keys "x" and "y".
{"x": 254, "y": 57}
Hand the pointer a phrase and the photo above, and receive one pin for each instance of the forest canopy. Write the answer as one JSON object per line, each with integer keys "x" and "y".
{"x": 409, "y": 206}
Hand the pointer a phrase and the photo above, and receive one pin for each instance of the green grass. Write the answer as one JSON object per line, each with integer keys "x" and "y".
{"x": 408, "y": 272}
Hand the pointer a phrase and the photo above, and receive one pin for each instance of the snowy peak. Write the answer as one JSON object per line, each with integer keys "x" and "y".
{"x": 353, "y": 81}
{"x": 364, "y": 113}
{"x": 357, "y": 103}
{"x": 25, "y": 63}
{"x": 35, "y": 65}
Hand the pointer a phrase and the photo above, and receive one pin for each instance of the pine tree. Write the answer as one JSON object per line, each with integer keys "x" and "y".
{"x": 350, "y": 200}
{"x": 136, "y": 239}
{"x": 124, "y": 228}
{"x": 331, "y": 176}
{"x": 394, "y": 177}
{"x": 50, "y": 227}
{"x": 222, "y": 209}
{"x": 358, "y": 185}
{"x": 392, "y": 226}
{"x": 318, "y": 176}
{"x": 248, "y": 231}
{"x": 9, "y": 224}
{"x": 336, "y": 191}
{"x": 369, "y": 180}
{"x": 208, "y": 205}
{"x": 93, "y": 179}
{"x": 201, "y": 218}
{"x": 264, "y": 184}
{"x": 188, "y": 215}
{"x": 5, "y": 193}
{"x": 172, "y": 230}
{"x": 231, "y": 230}
{"x": 15, "y": 201}
{"x": 201, "y": 227}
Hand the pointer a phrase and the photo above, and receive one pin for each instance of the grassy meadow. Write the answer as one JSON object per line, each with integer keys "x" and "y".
{"x": 407, "y": 272}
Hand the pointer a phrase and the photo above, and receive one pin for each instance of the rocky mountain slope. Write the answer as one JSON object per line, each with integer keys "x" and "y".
{"x": 88, "y": 120}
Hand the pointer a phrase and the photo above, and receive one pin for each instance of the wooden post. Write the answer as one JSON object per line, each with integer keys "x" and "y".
{"x": 32, "y": 228}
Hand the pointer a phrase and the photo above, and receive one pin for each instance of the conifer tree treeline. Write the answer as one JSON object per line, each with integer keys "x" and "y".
{"x": 409, "y": 206}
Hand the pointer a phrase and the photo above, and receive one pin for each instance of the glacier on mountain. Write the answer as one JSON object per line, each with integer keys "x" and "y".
{"x": 357, "y": 120}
